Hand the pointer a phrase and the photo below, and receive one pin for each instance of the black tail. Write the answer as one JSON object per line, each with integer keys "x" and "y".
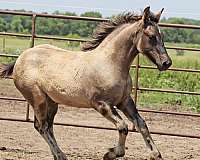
{"x": 6, "y": 70}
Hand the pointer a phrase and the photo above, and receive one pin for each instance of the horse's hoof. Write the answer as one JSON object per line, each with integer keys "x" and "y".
{"x": 60, "y": 157}
{"x": 64, "y": 157}
{"x": 155, "y": 156}
{"x": 109, "y": 156}
{"x": 114, "y": 153}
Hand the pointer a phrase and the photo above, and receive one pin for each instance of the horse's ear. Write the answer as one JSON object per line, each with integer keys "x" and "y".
{"x": 146, "y": 14}
{"x": 158, "y": 15}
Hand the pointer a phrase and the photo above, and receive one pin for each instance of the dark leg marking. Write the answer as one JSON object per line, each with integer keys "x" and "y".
{"x": 111, "y": 114}
{"x": 129, "y": 109}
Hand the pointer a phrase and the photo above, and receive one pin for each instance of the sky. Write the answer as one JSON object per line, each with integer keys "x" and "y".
{"x": 173, "y": 8}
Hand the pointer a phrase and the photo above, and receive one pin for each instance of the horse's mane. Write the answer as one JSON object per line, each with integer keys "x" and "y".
{"x": 105, "y": 28}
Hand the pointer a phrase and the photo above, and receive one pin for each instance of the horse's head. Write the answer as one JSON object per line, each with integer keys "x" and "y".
{"x": 150, "y": 41}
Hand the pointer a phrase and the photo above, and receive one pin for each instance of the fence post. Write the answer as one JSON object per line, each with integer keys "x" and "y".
{"x": 136, "y": 79}
{"x": 136, "y": 85}
{"x": 33, "y": 31}
{"x": 31, "y": 45}
{"x": 4, "y": 44}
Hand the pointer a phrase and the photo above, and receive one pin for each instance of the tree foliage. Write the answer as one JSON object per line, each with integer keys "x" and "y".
{"x": 52, "y": 26}
{"x": 181, "y": 35}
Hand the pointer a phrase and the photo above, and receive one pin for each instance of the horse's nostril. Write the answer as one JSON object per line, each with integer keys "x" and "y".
{"x": 167, "y": 63}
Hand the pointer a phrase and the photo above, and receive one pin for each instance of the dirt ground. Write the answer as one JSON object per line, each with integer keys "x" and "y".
{"x": 19, "y": 140}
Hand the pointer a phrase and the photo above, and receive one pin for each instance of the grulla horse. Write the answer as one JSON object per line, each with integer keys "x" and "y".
{"x": 97, "y": 77}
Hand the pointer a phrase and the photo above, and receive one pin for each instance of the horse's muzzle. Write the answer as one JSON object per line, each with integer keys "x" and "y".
{"x": 165, "y": 65}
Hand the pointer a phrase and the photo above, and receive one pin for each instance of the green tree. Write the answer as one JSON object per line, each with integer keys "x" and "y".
{"x": 26, "y": 22}
{"x": 86, "y": 28}
{"x": 92, "y": 14}
{"x": 2, "y": 25}
{"x": 16, "y": 24}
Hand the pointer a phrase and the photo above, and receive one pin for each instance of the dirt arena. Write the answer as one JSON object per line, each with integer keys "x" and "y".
{"x": 20, "y": 141}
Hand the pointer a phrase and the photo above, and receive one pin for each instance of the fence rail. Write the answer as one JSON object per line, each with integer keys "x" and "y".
{"x": 106, "y": 128}
{"x": 137, "y": 66}
{"x": 80, "y": 40}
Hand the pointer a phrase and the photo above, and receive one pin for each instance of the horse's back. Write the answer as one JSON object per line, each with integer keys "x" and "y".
{"x": 30, "y": 61}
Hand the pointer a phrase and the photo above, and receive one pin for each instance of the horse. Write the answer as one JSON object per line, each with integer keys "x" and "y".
{"x": 95, "y": 77}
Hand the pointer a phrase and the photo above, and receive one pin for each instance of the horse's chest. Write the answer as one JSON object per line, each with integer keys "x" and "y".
{"x": 113, "y": 92}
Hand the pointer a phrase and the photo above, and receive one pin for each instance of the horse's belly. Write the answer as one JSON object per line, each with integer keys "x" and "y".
{"x": 69, "y": 97}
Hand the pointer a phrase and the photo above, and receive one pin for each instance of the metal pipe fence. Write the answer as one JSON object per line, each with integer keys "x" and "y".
{"x": 106, "y": 128}
{"x": 137, "y": 66}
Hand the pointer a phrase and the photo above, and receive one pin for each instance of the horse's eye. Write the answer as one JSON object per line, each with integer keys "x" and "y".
{"x": 153, "y": 40}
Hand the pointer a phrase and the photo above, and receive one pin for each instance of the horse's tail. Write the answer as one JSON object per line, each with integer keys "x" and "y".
{"x": 6, "y": 70}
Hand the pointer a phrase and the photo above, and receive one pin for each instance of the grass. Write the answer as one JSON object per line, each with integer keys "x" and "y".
{"x": 182, "y": 81}
{"x": 15, "y": 45}
{"x": 173, "y": 80}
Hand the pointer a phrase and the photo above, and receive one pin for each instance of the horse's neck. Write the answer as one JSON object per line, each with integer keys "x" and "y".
{"x": 120, "y": 48}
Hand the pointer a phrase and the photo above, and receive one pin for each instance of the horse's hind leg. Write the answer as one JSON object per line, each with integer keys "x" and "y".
{"x": 44, "y": 112}
{"x": 112, "y": 115}
{"x": 129, "y": 109}
{"x": 45, "y": 127}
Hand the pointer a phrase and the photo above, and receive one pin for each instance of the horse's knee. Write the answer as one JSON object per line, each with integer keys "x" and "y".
{"x": 123, "y": 128}
{"x": 139, "y": 121}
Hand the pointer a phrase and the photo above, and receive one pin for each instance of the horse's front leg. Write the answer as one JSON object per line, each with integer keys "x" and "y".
{"x": 111, "y": 114}
{"x": 128, "y": 107}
